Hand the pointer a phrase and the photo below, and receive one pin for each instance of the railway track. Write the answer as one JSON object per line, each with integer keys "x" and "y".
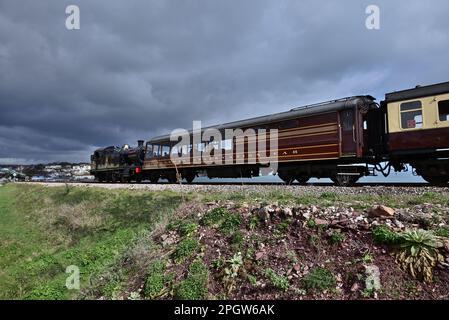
{"x": 317, "y": 184}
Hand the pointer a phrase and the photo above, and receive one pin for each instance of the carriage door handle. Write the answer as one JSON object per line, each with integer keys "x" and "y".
{"x": 353, "y": 133}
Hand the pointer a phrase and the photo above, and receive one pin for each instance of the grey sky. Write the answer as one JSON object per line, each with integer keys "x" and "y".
{"x": 137, "y": 69}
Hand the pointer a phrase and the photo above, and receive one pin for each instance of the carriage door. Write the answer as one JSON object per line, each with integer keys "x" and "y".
{"x": 348, "y": 133}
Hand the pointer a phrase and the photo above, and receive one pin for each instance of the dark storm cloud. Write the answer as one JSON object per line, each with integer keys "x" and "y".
{"x": 141, "y": 68}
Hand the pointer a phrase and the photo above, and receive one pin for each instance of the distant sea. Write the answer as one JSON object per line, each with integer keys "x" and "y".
{"x": 401, "y": 177}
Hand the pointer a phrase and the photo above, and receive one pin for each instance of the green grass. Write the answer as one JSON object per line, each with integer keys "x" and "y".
{"x": 442, "y": 232}
{"x": 156, "y": 279}
{"x": 215, "y": 216}
{"x": 45, "y": 230}
{"x": 231, "y": 224}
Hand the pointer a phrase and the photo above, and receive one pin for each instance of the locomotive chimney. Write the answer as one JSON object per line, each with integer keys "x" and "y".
{"x": 140, "y": 143}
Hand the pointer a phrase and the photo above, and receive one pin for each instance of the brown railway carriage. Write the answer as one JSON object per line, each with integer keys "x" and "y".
{"x": 342, "y": 139}
{"x": 313, "y": 141}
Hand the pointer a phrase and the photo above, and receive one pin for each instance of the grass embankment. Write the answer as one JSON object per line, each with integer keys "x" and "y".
{"x": 45, "y": 230}
{"x": 133, "y": 244}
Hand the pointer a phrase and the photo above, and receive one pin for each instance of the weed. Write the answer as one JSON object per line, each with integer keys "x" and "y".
{"x": 46, "y": 292}
{"x": 134, "y": 296}
{"x": 319, "y": 279}
{"x": 218, "y": 263}
{"x": 384, "y": 235}
{"x": 231, "y": 271}
{"x": 254, "y": 222}
{"x": 237, "y": 238}
{"x": 284, "y": 226}
{"x": 215, "y": 216}
{"x": 442, "y": 232}
{"x": 185, "y": 249}
{"x": 188, "y": 229}
{"x": 194, "y": 287}
{"x": 311, "y": 223}
{"x": 291, "y": 255}
{"x": 231, "y": 223}
{"x": 368, "y": 293}
{"x": 336, "y": 237}
{"x": 367, "y": 257}
{"x": 280, "y": 282}
{"x": 251, "y": 279}
{"x": 155, "y": 283}
{"x": 419, "y": 253}
{"x": 331, "y": 196}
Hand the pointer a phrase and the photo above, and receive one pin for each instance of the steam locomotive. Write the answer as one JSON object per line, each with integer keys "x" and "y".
{"x": 343, "y": 140}
{"x": 115, "y": 164}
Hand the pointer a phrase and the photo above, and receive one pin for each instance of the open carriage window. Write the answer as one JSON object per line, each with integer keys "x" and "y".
{"x": 149, "y": 153}
{"x": 165, "y": 151}
{"x": 443, "y": 110}
{"x": 411, "y": 115}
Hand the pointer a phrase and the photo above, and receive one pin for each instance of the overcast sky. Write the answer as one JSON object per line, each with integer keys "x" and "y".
{"x": 137, "y": 69}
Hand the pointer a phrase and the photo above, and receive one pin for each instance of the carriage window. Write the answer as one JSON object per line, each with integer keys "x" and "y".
{"x": 443, "y": 110}
{"x": 149, "y": 151}
{"x": 411, "y": 115}
{"x": 165, "y": 151}
{"x": 156, "y": 150}
{"x": 347, "y": 120}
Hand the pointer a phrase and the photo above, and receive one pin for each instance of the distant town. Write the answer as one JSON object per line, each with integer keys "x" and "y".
{"x": 45, "y": 172}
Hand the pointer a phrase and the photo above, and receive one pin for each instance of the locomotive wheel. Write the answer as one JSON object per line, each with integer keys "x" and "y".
{"x": 302, "y": 179}
{"x": 154, "y": 179}
{"x": 344, "y": 180}
{"x": 436, "y": 180}
{"x": 287, "y": 178}
{"x": 123, "y": 179}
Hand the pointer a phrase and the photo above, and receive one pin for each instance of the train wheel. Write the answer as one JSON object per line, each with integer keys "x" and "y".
{"x": 287, "y": 178}
{"x": 154, "y": 179}
{"x": 190, "y": 176}
{"x": 171, "y": 177}
{"x": 344, "y": 180}
{"x": 124, "y": 180}
{"x": 436, "y": 180}
{"x": 302, "y": 179}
